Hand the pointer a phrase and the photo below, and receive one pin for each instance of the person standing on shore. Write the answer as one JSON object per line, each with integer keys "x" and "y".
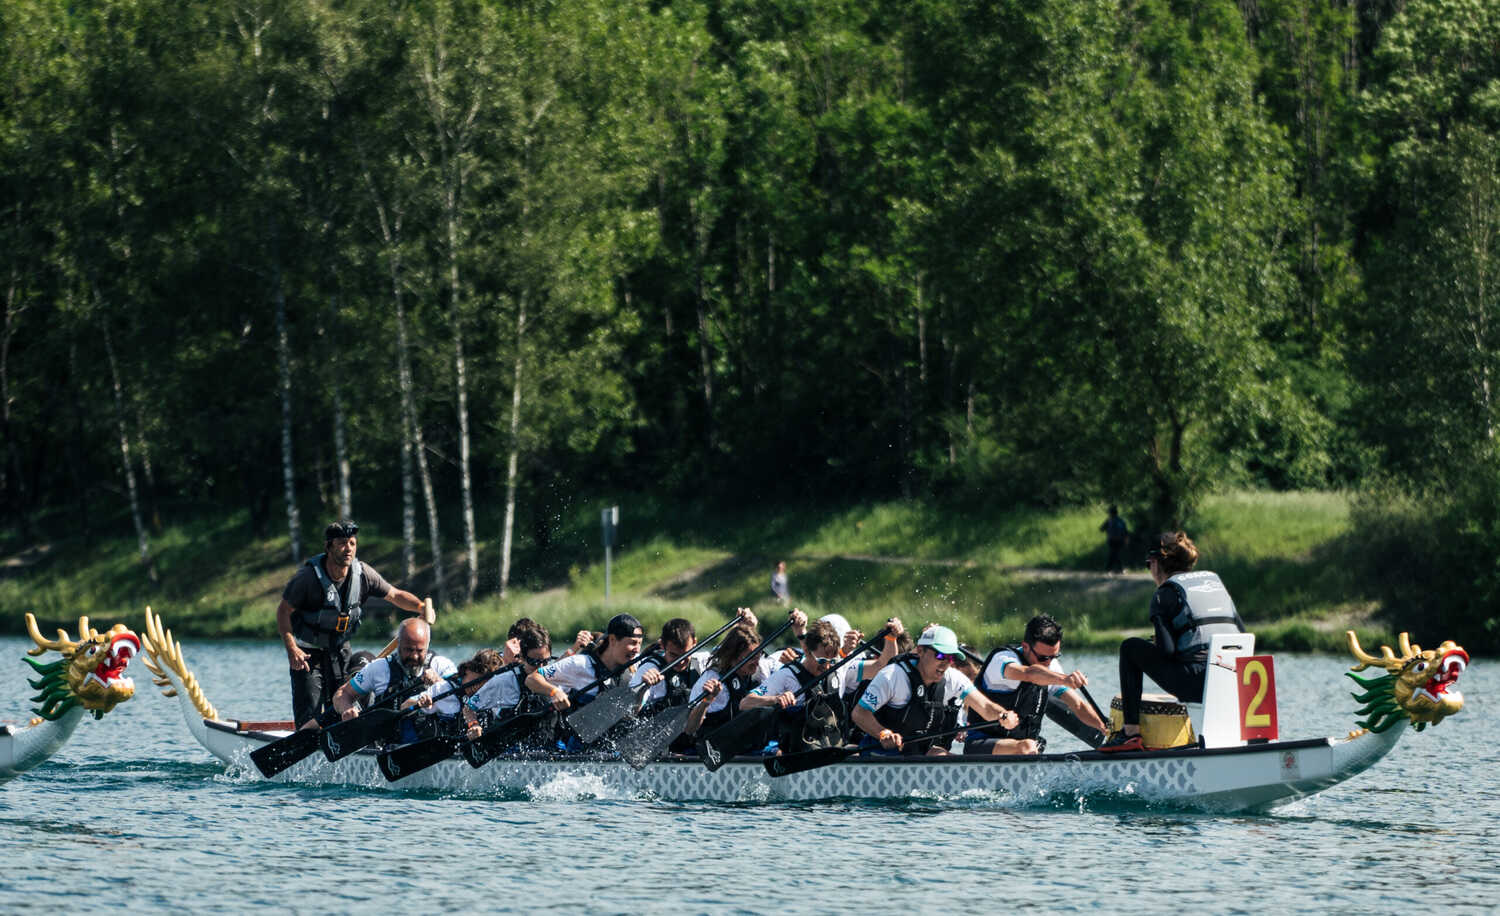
{"x": 778, "y": 584}
{"x": 1115, "y": 537}
{"x": 320, "y": 611}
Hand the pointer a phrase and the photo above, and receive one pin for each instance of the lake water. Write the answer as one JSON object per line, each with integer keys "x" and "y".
{"x": 134, "y": 815}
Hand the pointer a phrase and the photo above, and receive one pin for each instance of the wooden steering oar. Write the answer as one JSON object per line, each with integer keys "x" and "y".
{"x": 284, "y": 753}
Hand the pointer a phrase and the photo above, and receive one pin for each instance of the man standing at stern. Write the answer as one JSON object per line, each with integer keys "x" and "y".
{"x": 320, "y": 611}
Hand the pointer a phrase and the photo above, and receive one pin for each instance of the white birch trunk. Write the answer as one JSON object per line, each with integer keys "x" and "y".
{"x": 284, "y": 369}
{"x": 135, "y": 503}
{"x": 512, "y": 475}
{"x": 341, "y": 455}
{"x": 460, "y": 372}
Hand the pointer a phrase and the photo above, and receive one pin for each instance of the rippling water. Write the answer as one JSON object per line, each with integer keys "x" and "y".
{"x": 133, "y": 814}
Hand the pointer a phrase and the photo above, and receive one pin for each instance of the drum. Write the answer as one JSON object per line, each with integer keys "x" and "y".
{"x": 1164, "y": 721}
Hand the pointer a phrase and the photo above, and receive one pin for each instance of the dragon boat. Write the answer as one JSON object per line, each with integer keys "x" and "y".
{"x": 1216, "y": 771}
{"x": 89, "y": 678}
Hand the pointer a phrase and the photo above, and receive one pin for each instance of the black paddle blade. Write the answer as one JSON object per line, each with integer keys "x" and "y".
{"x": 282, "y": 753}
{"x": 590, "y": 722}
{"x": 498, "y": 737}
{"x": 1059, "y": 712}
{"x": 413, "y": 758}
{"x": 648, "y": 739}
{"x": 344, "y": 738}
{"x": 787, "y": 764}
{"x": 745, "y": 732}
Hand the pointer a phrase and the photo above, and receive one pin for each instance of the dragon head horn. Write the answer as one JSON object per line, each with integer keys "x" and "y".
{"x": 1388, "y": 659}
{"x": 64, "y": 643}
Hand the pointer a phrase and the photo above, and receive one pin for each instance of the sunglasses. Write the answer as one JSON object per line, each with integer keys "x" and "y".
{"x": 946, "y": 656}
{"x": 1046, "y": 659}
{"x": 538, "y": 662}
{"x": 823, "y": 660}
{"x": 346, "y": 530}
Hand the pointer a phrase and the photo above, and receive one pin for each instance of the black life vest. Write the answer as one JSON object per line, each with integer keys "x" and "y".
{"x": 332, "y": 624}
{"x": 818, "y": 721}
{"x": 1204, "y": 609}
{"x": 739, "y": 687}
{"x": 1028, "y": 701}
{"x": 679, "y": 681}
{"x": 925, "y": 714}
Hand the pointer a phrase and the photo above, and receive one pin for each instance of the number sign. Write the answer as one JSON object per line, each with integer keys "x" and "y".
{"x": 1256, "y": 675}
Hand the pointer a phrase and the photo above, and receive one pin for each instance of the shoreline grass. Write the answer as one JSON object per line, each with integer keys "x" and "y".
{"x": 984, "y": 573}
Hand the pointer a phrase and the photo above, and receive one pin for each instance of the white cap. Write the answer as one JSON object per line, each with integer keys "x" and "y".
{"x": 840, "y": 625}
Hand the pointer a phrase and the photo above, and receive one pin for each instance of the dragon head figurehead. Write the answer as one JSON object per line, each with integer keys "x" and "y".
{"x": 91, "y": 672}
{"x": 1418, "y": 684}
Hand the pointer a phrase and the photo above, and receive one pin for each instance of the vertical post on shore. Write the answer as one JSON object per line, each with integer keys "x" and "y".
{"x": 610, "y": 519}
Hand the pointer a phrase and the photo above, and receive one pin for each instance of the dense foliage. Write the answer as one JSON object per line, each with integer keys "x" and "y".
{"x": 473, "y": 257}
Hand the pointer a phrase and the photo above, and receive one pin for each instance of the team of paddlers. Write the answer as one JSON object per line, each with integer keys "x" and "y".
{"x": 736, "y": 692}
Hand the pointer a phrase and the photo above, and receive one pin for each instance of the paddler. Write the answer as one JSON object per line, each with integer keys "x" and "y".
{"x": 320, "y": 610}
{"x": 735, "y": 672}
{"x": 441, "y": 708}
{"x": 604, "y": 661}
{"x": 678, "y": 638}
{"x": 412, "y": 668}
{"x": 1021, "y": 678}
{"x": 922, "y": 694}
{"x": 506, "y": 693}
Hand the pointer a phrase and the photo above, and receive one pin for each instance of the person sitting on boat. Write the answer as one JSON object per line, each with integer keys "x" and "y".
{"x": 920, "y": 695}
{"x": 505, "y": 694}
{"x": 320, "y": 611}
{"x": 678, "y": 638}
{"x": 735, "y": 672}
{"x": 1187, "y": 609}
{"x": 1021, "y": 678}
{"x": 605, "y": 660}
{"x": 404, "y": 673}
{"x": 442, "y": 710}
{"x": 818, "y": 717}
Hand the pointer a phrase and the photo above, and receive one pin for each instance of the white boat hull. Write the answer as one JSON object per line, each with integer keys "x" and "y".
{"x": 22, "y": 749}
{"x": 1230, "y": 779}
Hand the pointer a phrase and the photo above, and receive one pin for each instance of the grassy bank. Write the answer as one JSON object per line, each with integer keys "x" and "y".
{"x": 983, "y": 573}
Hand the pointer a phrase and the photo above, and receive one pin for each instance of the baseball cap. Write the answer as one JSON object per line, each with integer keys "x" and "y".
{"x": 941, "y": 639}
{"x": 840, "y": 625}
{"x": 623, "y": 626}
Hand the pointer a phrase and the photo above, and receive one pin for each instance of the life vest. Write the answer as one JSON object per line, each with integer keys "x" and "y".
{"x": 739, "y": 687}
{"x": 400, "y": 684}
{"x": 1028, "y": 701}
{"x": 332, "y": 624}
{"x": 817, "y": 721}
{"x": 925, "y": 714}
{"x": 1205, "y": 609}
{"x": 679, "y": 681}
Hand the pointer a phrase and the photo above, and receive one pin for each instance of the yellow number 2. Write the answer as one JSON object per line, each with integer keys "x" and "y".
{"x": 1253, "y": 717}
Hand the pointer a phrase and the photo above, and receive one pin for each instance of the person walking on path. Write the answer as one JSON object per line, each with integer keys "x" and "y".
{"x": 1115, "y": 536}
{"x": 778, "y": 584}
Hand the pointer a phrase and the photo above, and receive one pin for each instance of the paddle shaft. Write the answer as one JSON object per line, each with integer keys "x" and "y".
{"x": 858, "y": 650}
{"x": 354, "y": 725}
{"x": 1097, "y": 711}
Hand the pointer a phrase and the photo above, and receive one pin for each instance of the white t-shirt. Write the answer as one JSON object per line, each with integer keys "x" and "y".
{"x": 784, "y": 680}
{"x": 499, "y": 693}
{"x": 892, "y": 687}
{"x": 572, "y": 672}
{"x": 373, "y": 679}
{"x": 993, "y": 677}
{"x": 722, "y": 700}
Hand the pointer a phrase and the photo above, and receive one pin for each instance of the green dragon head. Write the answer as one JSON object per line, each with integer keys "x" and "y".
{"x": 91, "y": 672}
{"x": 1419, "y": 684}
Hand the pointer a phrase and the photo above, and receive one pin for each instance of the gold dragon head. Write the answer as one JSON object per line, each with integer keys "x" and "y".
{"x": 91, "y": 672}
{"x": 1419, "y": 683}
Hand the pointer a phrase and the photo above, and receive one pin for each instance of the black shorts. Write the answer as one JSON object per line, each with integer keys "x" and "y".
{"x": 313, "y": 689}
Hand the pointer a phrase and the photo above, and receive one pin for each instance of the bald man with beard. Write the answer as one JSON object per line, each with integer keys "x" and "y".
{"x": 404, "y": 673}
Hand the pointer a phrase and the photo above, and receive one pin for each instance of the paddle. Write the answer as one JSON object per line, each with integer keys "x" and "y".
{"x": 801, "y": 762}
{"x": 651, "y": 737}
{"x": 738, "y": 734}
{"x": 1059, "y": 712}
{"x": 498, "y": 737}
{"x": 341, "y": 739}
{"x": 283, "y": 753}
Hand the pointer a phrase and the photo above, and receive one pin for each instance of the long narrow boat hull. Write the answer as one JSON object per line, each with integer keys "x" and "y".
{"x": 22, "y": 749}
{"x": 1249, "y": 778}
